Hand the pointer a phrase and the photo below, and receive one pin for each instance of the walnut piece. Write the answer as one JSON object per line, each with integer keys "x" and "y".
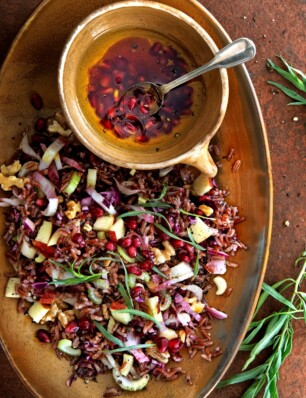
{"x": 7, "y": 183}
{"x": 153, "y": 352}
{"x": 55, "y": 127}
{"x": 11, "y": 169}
{"x": 73, "y": 209}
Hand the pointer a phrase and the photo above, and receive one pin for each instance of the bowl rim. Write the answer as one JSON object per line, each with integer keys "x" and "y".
{"x": 201, "y": 144}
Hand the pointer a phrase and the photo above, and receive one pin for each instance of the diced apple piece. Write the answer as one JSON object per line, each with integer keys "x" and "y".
{"x": 101, "y": 235}
{"x": 40, "y": 258}
{"x": 91, "y": 178}
{"x": 44, "y": 232}
{"x": 54, "y": 238}
{"x": 27, "y": 250}
{"x": 122, "y": 317}
{"x": 10, "y": 290}
{"x": 201, "y": 231}
{"x": 127, "y": 364}
{"x": 103, "y": 223}
{"x": 201, "y": 185}
{"x": 118, "y": 228}
{"x": 37, "y": 311}
{"x": 168, "y": 333}
{"x": 154, "y": 308}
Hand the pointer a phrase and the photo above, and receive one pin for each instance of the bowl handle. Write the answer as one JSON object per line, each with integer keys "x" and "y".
{"x": 202, "y": 161}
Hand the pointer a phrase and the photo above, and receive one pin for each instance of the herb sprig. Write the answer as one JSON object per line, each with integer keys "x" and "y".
{"x": 294, "y": 76}
{"x": 77, "y": 276}
{"x": 277, "y": 331}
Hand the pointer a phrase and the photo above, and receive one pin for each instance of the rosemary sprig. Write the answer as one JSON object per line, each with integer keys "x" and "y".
{"x": 277, "y": 331}
{"x": 294, "y": 76}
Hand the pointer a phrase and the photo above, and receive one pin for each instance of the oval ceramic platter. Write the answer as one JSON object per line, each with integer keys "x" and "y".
{"x": 32, "y": 65}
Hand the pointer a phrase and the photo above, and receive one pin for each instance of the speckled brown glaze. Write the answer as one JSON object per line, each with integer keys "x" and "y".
{"x": 276, "y": 28}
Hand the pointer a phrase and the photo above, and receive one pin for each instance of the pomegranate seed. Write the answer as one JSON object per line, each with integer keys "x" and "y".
{"x": 136, "y": 291}
{"x": 177, "y": 244}
{"x": 110, "y": 246}
{"x": 96, "y": 211}
{"x": 41, "y": 202}
{"x": 43, "y": 336}
{"x": 72, "y": 327}
{"x": 134, "y": 270}
{"x": 78, "y": 239}
{"x": 36, "y": 101}
{"x": 142, "y": 138}
{"x": 136, "y": 242}
{"x": 189, "y": 248}
{"x": 126, "y": 242}
{"x": 132, "y": 251}
{"x": 131, "y": 103}
{"x": 112, "y": 236}
{"x": 85, "y": 323}
{"x": 156, "y": 48}
{"x": 146, "y": 265}
{"x": 162, "y": 344}
{"x": 183, "y": 257}
{"x": 148, "y": 254}
{"x": 203, "y": 198}
{"x": 199, "y": 212}
{"x": 163, "y": 236}
{"x": 40, "y": 124}
{"x": 144, "y": 109}
{"x": 175, "y": 345}
{"x": 131, "y": 223}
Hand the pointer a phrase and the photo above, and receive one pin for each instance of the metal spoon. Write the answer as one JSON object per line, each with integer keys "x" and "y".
{"x": 235, "y": 53}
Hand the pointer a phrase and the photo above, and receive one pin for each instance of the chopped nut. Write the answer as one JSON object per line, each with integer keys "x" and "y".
{"x": 295, "y": 119}
{"x": 221, "y": 285}
{"x": 208, "y": 211}
{"x": 182, "y": 335}
{"x": 159, "y": 256}
{"x": 287, "y": 223}
{"x": 51, "y": 314}
{"x": 11, "y": 169}
{"x": 153, "y": 352}
{"x": 55, "y": 127}
{"x": 65, "y": 317}
{"x": 169, "y": 249}
{"x": 8, "y": 182}
{"x": 87, "y": 227}
{"x": 73, "y": 209}
{"x": 105, "y": 311}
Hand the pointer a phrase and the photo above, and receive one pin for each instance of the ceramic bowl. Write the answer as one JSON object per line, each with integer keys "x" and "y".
{"x": 145, "y": 16}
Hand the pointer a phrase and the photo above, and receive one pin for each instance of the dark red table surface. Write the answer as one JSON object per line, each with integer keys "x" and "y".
{"x": 277, "y": 27}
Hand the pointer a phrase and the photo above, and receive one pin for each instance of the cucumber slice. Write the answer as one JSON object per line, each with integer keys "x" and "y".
{"x": 130, "y": 385}
{"x": 65, "y": 346}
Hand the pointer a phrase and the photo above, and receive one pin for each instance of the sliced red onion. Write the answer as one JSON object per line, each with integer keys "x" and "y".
{"x": 53, "y": 173}
{"x": 125, "y": 190}
{"x": 58, "y": 162}
{"x": 6, "y": 202}
{"x": 183, "y": 318}
{"x": 186, "y": 307}
{"x": 140, "y": 356}
{"x": 25, "y": 147}
{"x": 44, "y": 184}
{"x": 216, "y": 266}
{"x": 40, "y": 285}
{"x": 100, "y": 200}
{"x": 29, "y": 224}
{"x": 216, "y": 313}
{"x": 86, "y": 201}
{"x": 196, "y": 290}
{"x": 73, "y": 163}
{"x": 165, "y": 171}
{"x": 145, "y": 216}
{"x": 27, "y": 168}
{"x": 52, "y": 150}
{"x": 217, "y": 253}
{"x": 51, "y": 208}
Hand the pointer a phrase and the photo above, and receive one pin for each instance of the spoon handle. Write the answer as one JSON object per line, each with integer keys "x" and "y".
{"x": 235, "y": 53}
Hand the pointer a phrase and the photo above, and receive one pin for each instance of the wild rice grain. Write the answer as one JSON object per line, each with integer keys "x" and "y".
{"x": 236, "y": 166}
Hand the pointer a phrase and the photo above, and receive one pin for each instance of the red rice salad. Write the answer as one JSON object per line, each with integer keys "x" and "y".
{"x": 114, "y": 264}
